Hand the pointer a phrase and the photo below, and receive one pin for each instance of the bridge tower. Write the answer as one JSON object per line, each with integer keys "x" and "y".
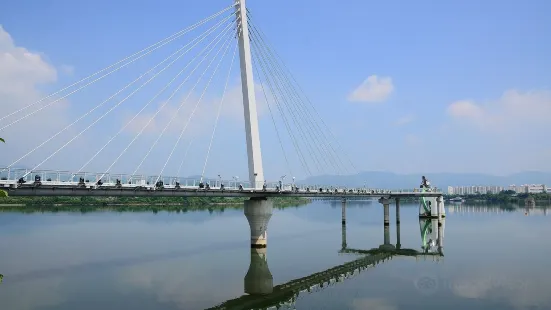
{"x": 258, "y": 211}
{"x": 252, "y": 134}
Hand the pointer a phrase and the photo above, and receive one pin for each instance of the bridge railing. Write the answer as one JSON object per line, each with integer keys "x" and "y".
{"x": 12, "y": 177}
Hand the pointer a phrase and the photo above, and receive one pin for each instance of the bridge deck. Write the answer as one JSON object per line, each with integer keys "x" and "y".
{"x": 46, "y": 190}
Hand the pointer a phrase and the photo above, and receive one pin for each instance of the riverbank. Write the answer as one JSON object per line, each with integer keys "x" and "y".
{"x": 504, "y": 198}
{"x": 137, "y": 204}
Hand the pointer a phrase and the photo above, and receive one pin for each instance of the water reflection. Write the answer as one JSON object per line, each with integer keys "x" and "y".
{"x": 432, "y": 241}
{"x": 174, "y": 261}
{"x": 465, "y": 209}
{"x": 261, "y": 293}
{"x": 259, "y": 279}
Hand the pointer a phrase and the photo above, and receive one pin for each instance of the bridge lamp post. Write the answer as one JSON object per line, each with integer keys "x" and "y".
{"x": 220, "y": 179}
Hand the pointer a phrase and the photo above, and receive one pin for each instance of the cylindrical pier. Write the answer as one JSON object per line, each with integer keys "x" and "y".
{"x": 387, "y": 235}
{"x": 441, "y": 212}
{"x": 258, "y": 212}
{"x": 343, "y": 217}
{"x": 386, "y": 207}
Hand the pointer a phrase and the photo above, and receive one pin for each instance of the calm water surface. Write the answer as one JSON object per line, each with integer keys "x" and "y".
{"x": 110, "y": 260}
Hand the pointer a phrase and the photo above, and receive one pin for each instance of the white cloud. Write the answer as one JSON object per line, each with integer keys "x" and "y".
{"x": 67, "y": 69}
{"x": 465, "y": 108}
{"x": 373, "y": 89}
{"x": 521, "y": 292}
{"x": 514, "y": 109}
{"x": 22, "y": 72}
{"x": 204, "y": 117}
{"x": 412, "y": 139}
{"x": 404, "y": 120}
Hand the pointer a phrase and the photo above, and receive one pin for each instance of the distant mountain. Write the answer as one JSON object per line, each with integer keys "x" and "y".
{"x": 380, "y": 179}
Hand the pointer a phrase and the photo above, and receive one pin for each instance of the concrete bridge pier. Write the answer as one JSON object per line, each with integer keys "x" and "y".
{"x": 386, "y": 209}
{"x": 398, "y": 243}
{"x": 258, "y": 212}
{"x": 386, "y": 235}
{"x": 386, "y": 240}
{"x": 259, "y": 279}
{"x": 397, "y": 211}
{"x": 386, "y": 206}
{"x": 440, "y": 211}
{"x": 343, "y": 217}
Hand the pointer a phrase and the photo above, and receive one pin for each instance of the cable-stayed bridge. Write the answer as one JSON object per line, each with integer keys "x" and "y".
{"x": 229, "y": 34}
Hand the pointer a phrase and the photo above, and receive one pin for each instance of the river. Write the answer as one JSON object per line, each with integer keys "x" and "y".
{"x": 492, "y": 259}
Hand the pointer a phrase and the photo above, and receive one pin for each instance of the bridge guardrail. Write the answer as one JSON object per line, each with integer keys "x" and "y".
{"x": 12, "y": 177}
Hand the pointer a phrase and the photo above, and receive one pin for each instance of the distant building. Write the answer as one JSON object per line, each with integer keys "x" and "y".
{"x": 492, "y": 189}
{"x": 529, "y": 188}
{"x": 472, "y": 190}
{"x": 536, "y": 189}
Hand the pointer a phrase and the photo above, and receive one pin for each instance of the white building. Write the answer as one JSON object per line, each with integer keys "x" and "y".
{"x": 473, "y": 190}
{"x": 536, "y": 189}
{"x": 529, "y": 188}
{"x": 492, "y": 189}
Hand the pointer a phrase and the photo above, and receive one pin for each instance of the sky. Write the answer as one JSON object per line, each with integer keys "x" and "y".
{"x": 407, "y": 87}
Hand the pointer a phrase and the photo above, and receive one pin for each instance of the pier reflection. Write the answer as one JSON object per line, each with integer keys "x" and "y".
{"x": 432, "y": 241}
{"x": 259, "y": 279}
{"x": 260, "y": 293}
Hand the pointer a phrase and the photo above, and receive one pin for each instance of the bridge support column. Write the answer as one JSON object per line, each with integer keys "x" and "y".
{"x": 252, "y": 134}
{"x": 386, "y": 240}
{"x": 397, "y": 211}
{"x": 343, "y": 217}
{"x": 387, "y": 235}
{"x": 258, "y": 212}
{"x": 386, "y": 206}
{"x": 440, "y": 212}
{"x": 259, "y": 279}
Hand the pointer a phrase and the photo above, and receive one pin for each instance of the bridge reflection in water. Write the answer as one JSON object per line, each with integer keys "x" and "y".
{"x": 260, "y": 293}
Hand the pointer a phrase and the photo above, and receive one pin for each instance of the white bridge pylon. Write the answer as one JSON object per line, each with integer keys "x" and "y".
{"x": 233, "y": 26}
{"x": 254, "y": 154}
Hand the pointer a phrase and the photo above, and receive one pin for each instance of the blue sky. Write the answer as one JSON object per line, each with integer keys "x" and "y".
{"x": 454, "y": 86}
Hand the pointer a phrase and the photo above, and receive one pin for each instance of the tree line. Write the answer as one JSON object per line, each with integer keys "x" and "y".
{"x": 506, "y": 196}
